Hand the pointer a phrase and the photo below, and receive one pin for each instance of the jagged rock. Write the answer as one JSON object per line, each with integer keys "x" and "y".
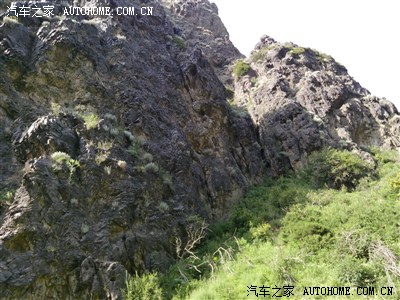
{"x": 46, "y": 135}
{"x": 145, "y": 136}
{"x": 303, "y": 100}
{"x": 198, "y": 24}
{"x": 136, "y": 107}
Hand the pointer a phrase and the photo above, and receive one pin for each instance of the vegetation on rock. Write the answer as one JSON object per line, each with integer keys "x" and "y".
{"x": 291, "y": 232}
{"x": 179, "y": 42}
{"x": 241, "y": 68}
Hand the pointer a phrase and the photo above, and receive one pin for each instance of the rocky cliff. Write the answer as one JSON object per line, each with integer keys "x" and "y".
{"x": 302, "y": 100}
{"x": 116, "y": 137}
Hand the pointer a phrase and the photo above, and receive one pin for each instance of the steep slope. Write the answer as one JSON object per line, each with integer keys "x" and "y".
{"x": 122, "y": 136}
{"x": 302, "y": 100}
{"x": 200, "y": 26}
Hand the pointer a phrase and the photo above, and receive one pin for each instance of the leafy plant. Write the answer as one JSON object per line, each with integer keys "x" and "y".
{"x": 297, "y": 50}
{"x": 322, "y": 57}
{"x": 6, "y": 195}
{"x": 145, "y": 287}
{"x": 60, "y": 158}
{"x": 241, "y": 68}
{"x": 151, "y": 168}
{"x": 338, "y": 169}
{"x": 163, "y": 206}
{"x": 91, "y": 120}
{"x": 240, "y": 111}
{"x": 179, "y": 42}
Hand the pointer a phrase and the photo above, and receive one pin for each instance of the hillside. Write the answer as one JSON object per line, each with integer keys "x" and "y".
{"x": 296, "y": 234}
{"x": 121, "y": 136}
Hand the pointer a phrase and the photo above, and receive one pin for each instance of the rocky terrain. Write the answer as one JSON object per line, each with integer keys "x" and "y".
{"x": 302, "y": 100}
{"x": 117, "y": 137}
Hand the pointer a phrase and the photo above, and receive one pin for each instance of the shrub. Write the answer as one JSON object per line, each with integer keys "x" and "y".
{"x": 145, "y": 287}
{"x": 91, "y": 120}
{"x": 6, "y": 195}
{"x": 167, "y": 179}
{"x": 297, "y": 50}
{"x": 163, "y": 206}
{"x": 338, "y": 168}
{"x": 59, "y": 158}
{"x": 241, "y": 68}
{"x": 240, "y": 111}
{"x": 260, "y": 232}
{"x": 287, "y": 232}
{"x": 110, "y": 117}
{"x": 322, "y": 56}
{"x": 151, "y": 168}
{"x": 179, "y": 42}
{"x": 147, "y": 157}
{"x": 258, "y": 55}
{"x": 305, "y": 225}
{"x": 135, "y": 149}
{"x": 129, "y": 136}
{"x": 384, "y": 156}
{"x": 395, "y": 186}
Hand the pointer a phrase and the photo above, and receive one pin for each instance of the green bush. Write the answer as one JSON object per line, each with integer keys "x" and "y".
{"x": 91, "y": 120}
{"x": 60, "y": 158}
{"x": 6, "y": 195}
{"x": 241, "y": 68}
{"x": 297, "y": 50}
{"x": 145, "y": 287}
{"x": 151, "y": 168}
{"x": 395, "y": 185}
{"x": 338, "y": 168}
{"x": 260, "y": 232}
{"x": 305, "y": 225}
{"x": 322, "y": 57}
{"x": 179, "y": 42}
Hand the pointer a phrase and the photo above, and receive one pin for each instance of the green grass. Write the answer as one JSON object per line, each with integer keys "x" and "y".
{"x": 292, "y": 232}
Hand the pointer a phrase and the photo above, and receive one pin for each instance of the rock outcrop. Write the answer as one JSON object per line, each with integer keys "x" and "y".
{"x": 303, "y": 100}
{"x": 122, "y": 131}
{"x": 198, "y": 25}
{"x": 116, "y": 135}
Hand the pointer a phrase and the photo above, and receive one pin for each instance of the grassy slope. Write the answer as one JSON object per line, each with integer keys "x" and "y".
{"x": 289, "y": 232}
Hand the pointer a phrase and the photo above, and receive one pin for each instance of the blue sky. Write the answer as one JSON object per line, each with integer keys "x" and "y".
{"x": 364, "y": 35}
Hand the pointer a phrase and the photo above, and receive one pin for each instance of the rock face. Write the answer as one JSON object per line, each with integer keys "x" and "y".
{"x": 197, "y": 23}
{"x": 302, "y": 100}
{"x": 116, "y": 134}
{"x": 122, "y": 131}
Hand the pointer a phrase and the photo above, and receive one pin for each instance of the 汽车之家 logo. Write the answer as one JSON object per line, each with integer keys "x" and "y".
{"x": 48, "y": 11}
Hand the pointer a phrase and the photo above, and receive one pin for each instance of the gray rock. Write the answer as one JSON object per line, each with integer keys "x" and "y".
{"x": 138, "y": 106}
{"x": 302, "y": 100}
{"x": 142, "y": 122}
